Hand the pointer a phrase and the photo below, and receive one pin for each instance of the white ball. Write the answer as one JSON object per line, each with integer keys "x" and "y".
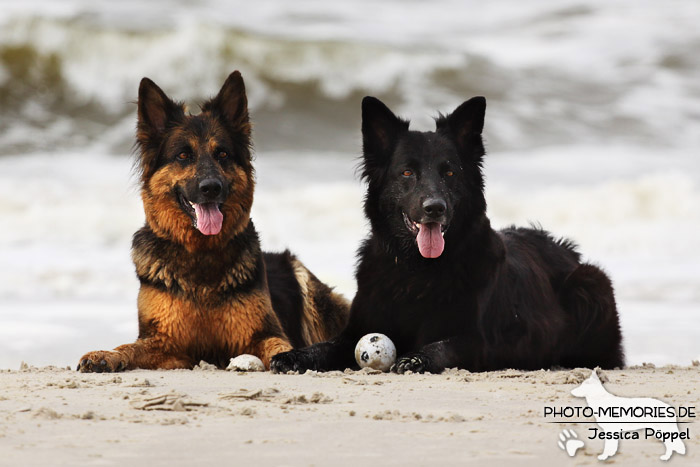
{"x": 375, "y": 351}
{"x": 246, "y": 362}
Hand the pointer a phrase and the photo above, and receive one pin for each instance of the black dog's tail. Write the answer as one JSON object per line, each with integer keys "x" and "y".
{"x": 595, "y": 338}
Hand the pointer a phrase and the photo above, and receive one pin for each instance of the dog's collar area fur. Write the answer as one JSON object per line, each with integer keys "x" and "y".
{"x": 232, "y": 268}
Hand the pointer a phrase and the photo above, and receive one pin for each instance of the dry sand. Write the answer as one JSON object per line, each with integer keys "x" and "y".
{"x": 51, "y": 417}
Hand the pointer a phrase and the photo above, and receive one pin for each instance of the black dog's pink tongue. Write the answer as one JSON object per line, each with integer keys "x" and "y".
{"x": 430, "y": 240}
{"x": 209, "y": 218}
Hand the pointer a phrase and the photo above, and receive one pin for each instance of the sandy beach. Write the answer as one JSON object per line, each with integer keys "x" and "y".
{"x": 592, "y": 133}
{"x": 52, "y": 416}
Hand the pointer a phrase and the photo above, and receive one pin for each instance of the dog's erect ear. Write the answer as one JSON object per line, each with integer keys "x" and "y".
{"x": 380, "y": 130}
{"x": 156, "y": 110}
{"x": 156, "y": 113}
{"x": 466, "y": 123}
{"x": 231, "y": 104}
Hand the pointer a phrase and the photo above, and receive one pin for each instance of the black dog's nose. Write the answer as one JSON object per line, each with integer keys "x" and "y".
{"x": 210, "y": 187}
{"x": 434, "y": 207}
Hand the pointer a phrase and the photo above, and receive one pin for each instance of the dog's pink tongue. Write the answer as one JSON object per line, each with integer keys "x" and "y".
{"x": 430, "y": 240}
{"x": 209, "y": 218}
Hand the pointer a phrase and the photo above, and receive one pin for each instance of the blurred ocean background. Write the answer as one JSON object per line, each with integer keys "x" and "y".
{"x": 593, "y": 130}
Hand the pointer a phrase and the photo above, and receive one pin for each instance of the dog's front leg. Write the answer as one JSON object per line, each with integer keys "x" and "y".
{"x": 336, "y": 354}
{"x": 457, "y": 351}
{"x": 609, "y": 449}
{"x": 147, "y": 353}
{"x": 268, "y": 347}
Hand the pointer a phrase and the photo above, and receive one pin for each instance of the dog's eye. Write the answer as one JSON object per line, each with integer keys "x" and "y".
{"x": 407, "y": 173}
{"x": 449, "y": 173}
{"x": 222, "y": 155}
{"x": 183, "y": 156}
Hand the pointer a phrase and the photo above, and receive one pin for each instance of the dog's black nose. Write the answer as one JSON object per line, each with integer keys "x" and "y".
{"x": 434, "y": 207}
{"x": 210, "y": 187}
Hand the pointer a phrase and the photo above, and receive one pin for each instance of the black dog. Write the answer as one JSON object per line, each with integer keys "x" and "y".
{"x": 442, "y": 284}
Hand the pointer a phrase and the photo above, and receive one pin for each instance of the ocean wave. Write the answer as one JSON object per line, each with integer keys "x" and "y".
{"x": 553, "y": 72}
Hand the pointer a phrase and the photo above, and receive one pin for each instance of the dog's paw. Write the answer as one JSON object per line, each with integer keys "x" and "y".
{"x": 569, "y": 442}
{"x": 101, "y": 361}
{"x": 416, "y": 362}
{"x": 294, "y": 360}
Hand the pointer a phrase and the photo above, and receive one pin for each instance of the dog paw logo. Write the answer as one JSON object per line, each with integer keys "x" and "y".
{"x": 569, "y": 442}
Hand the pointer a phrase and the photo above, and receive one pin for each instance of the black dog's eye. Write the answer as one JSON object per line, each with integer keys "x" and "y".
{"x": 222, "y": 155}
{"x": 449, "y": 173}
{"x": 407, "y": 173}
{"x": 183, "y": 156}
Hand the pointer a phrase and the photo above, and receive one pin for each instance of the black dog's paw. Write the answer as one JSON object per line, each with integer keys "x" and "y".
{"x": 294, "y": 360}
{"x": 416, "y": 362}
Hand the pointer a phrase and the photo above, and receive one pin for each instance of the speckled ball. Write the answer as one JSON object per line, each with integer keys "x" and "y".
{"x": 375, "y": 351}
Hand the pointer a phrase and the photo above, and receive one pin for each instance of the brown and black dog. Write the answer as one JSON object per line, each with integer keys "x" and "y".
{"x": 207, "y": 290}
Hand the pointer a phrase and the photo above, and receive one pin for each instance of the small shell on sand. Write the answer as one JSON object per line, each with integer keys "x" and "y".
{"x": 246, "y": 362}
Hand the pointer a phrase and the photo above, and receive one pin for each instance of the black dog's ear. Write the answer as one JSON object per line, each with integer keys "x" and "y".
{"x": 380, "y": 130}
{"x": 231, "y": 104}
{"x": 466, "y": 123}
